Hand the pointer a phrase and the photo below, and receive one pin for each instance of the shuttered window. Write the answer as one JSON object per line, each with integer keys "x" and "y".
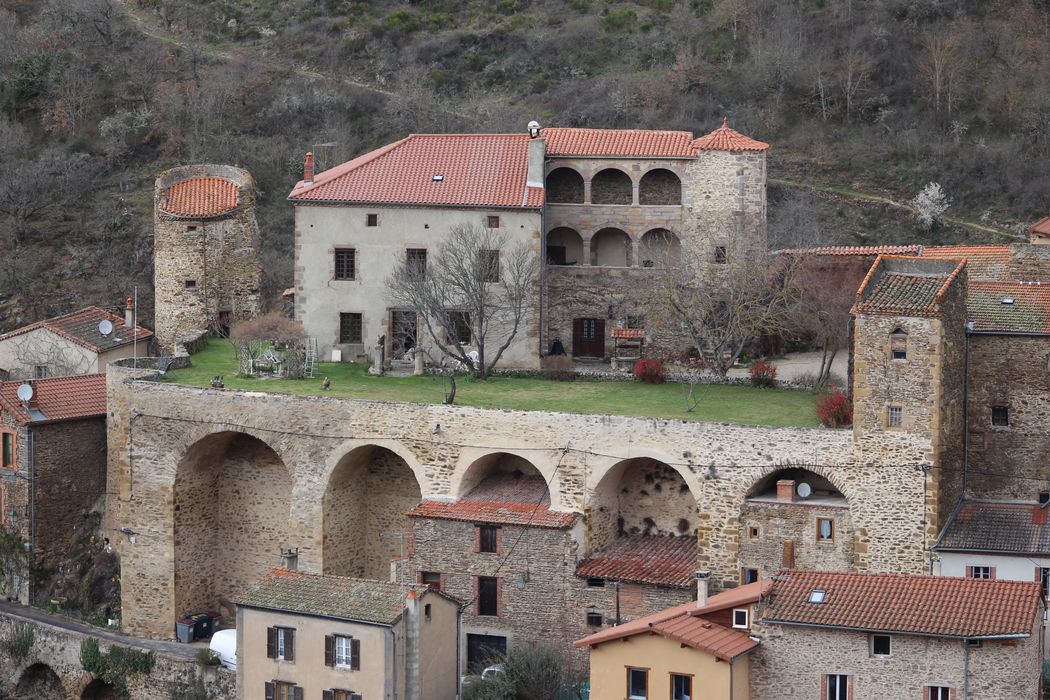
{"x": 488, "y": 539}
{"x": 341, "y": 650}
{"x": 280, "y": 643}
{"x": 279, "y": 690}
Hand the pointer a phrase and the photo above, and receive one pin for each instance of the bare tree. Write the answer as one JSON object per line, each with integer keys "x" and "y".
{"x": 272, "y": 333}
{"x": 825, "y": 299}
{"x": 472, "y": 296}
{"x": 59, "y": 358}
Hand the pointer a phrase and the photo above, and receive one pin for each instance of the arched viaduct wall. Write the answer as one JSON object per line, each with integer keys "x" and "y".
{"x": 153, "y": 426}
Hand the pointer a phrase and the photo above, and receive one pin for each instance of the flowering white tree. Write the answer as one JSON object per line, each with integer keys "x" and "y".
{"x": 930, "y": 204}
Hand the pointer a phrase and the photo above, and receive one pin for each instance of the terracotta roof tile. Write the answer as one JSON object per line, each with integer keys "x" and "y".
{"x": 995, "y": 526}
{"x": 982, "y": 261}
{"x": 476, "y": 170}
{"x": 200, "y": 197}
{"x": 1042, "y": 226}
{"x": 82, "y": 328}
{"x": 630, "y": 143}
{"x": 901, "y": 293}
{"x": 862, "y": 251}
{"x": 725, "y": 139}
{"x": 57, "y": 398}
{"x": 1028, "y": 310}
{"x": 927, "y": 605}
{"x": 501, "y": 499}
{"x": 666, "y": 561}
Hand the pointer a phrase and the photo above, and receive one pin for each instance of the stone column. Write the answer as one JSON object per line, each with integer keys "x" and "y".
{"x": 634, "y": 192}
{"x": 587, "y": 246}
{"x": 635, "y": 260}
{"x": 586, "y": 191}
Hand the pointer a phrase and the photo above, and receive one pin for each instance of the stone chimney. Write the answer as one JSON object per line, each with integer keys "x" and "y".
{"x": 702, "y": 578}
{"x": 308, "y": 168}
{"x": 786, "y": 490}
{"x": 537, "y": 154}
{"x": 129, "y": 314}
{"x": 290, "y": 559}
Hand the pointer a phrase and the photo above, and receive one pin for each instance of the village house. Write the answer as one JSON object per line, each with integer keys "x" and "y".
{"x": 73, "y": 344}
{"x": 842, "y": 636}
{"x": 694, "y": 651}
{"x": 303, "y": 635}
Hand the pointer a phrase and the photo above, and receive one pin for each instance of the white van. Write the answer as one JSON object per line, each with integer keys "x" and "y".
{"x": 224, "y": 645}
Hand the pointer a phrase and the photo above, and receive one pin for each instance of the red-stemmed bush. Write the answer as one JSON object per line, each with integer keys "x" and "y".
{"x": 763, "y": 375}
{"x": 835, "y": 410}
{"x": 649, "y": 371}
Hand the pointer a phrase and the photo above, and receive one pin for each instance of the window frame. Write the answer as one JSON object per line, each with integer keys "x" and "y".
{"x": 41, "y": 372}
{"x": 1000, "y": 415}
{"x": 490, "y": 259}
{"x": 985, "y": 569}
{"x": 348, "y": 316}
{"x": 754, "y": 532}
{"x": 688, "y": 677}
{"x": 424, "y": 575}
{"x": 831, "y": 522}
{"x": 281, "y": 639}
{"x": 459, "y": 321}
{"x": 894, "y": 416}
{"x": 9, "y": 449}
{"x": 416, "y": 260}
{"x": 189, "y": 284}
{"x": 371, "y": 219}
{"x": 747, "y": 618}
{"x": 640, "y": 669}
{"x": 492, "y": 221}
{"x": 340, "y": 256}
{"x": 721, "y": 255}
{"x": 345, "y": 643}
{"x": 939, "y": 692}
{"x": 838, "y": 692}
{"x": 898, "y": 344}
{"x": 594, "y": 618}
{"x": 744, "y": 570}
{"x": 284, "y": 690}
{"x": 488, "y": 538}
{"x": 872, "y": 646}
{"x": 495, "y": 583}
{"x": 595, "y": 582}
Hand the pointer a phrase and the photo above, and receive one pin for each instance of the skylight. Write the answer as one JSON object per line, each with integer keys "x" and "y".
{"x": 817, "y": 595}
{"x": 438, "y": 178}
{"x": 1008, "y": 300}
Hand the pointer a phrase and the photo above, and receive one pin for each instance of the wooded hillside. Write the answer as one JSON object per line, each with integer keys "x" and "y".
{"x": 861, "y": 101}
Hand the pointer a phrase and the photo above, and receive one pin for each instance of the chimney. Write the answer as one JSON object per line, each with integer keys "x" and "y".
{"x": 701, "y": 587}
{"x": 537, "y": 154}
{"x": 786, "y": 490}
{"x": 129, "y": 314}
{"x": 308, "y": 168}
{"x": 290, "y": 559}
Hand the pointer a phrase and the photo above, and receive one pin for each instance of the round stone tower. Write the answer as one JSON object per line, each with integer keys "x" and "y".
{"x": 206, "y": 250}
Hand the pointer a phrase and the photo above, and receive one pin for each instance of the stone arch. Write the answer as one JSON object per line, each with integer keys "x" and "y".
{"x": 476, "y": 464}
{"x": 499, "y": 467}
{"x": 564, "y": 247}
{"x": 660, "y": 186}
{"x": 98, "y": 689}
{"x": 611, "y": 247}
{"x": 370, "y": 491}
{"x": 659, "y": 247}
{"x": 564, "y": 186}
{"x": 39, "y": 682}
{"x": 612, "y": 186}
{"x": 766, "y": 485}
{"x": 231, "y": 501}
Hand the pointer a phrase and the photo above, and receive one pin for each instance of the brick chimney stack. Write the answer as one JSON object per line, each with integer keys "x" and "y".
{"x": 308, "y": 168}
{"x": 702, "y": 578}
{"x": 786, "y": 490}
{"x": 129, "y": 314}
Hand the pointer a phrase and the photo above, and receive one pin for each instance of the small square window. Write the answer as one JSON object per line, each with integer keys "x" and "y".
{"x": 817, "y": 595}
{"x": 981, "y": 572}
{"x": 431, "y": 578}
{"x": 894, "y": 416}
{"x": 596, "y": 582}
{"x": 191, "y": 229}
{"x": 40, "y": 371}
{"x": 753, "y": 532}
{"x": 748, "y": 575}
{"x": 740, "y": 618}
{"x": 371, "y": 219}
{"x": 825, "y": 530}
{"x": 493, "y": 221}
{"x": 488, "y": 539}
{"x": 1001, "y": 415}
{"x": 638, "y": 683}
{"x": 973, "y": 643}
{"x": 938, "y": 692}
{"x": 594, "y": 618}
{"x": 721, "y": 256}
{"x": 880, "y": 645}
{"x": 190, "y": 284}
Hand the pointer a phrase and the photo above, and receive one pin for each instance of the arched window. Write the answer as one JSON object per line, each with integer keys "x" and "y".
{"x": 564, "y": 186}
{"x": 611, "y": 247}
{"x": 898, "y": 344}
{"x": 660, "y": 186}
{"x": 564, "y": 247}
{"x": 611, "y": 186}
{"x": 659, "y": 248}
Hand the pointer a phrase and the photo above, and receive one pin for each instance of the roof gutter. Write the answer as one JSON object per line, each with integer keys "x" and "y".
{"x": 1019, "y": 635}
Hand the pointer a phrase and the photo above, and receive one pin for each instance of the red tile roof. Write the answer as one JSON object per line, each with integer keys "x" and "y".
{"x": 665, "y": 561}
{"x": 630, "y": 143}
{"x": 501, "y": 499}
{"x": 57, "y": 398}
{"x": 1002, "y": 527}
{"x": 200, "y": 197}
{"x": 928, "y": 605}
{"x": 982, "y": 261}
{"x": 476, "y": 170}
{"x": 688, "y": 624}
{"x": 903, "y": 285}
{"x": 725, "y": 139}
{"x": 1028, "y": 312}
{"x": 81, "y": 327}
{"x": 861, "y": 251}
{"x": 1042, "y": 226}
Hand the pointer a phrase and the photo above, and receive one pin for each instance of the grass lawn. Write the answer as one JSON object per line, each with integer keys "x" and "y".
{"x": 727, "y": 404}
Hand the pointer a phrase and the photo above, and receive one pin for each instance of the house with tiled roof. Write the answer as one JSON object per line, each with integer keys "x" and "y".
{"x": 52, "y": 463}
{"x": 73, "y": 343}
{"x": 698, "y": 650}
{"x": 835, "y": 636}
{"x": 596, "y": 208}
{"x": 302, "y": 635}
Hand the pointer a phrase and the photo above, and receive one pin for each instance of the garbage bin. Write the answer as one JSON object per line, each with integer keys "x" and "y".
{"x": 184, "y": 630}
{"x": 202, "y": 625}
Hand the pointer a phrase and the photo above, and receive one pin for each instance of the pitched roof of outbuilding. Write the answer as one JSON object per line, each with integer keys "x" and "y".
{"x": 939, "y": 606}
{"x": 501, "y": 499}
{"x": 661, "y": 560}
{"x": 1042, "y": 226}
{"x": 997, "y": 526}
{"x": 906, "y": 285}
{"x": 1008, "y": 307}
{"x": 859, "y": 251}
{"x": 200, "y": 197}
{"x": 81, "y": 327}
{"x": 57, "y": 399}
{"x": 726, "y": 139}
{"x": 609, "y": 143}
{"x": 982, "y": 261}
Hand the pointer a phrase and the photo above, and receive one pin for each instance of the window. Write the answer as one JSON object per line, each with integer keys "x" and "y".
{"x": 431, "y": 578}
{"x": 345, "y": 264}
{"x": 1044, "y": 579}
{"x": 825, "y": 530}
{"x": 7, "y": 454}
{"x": 594, "y": 618}
{"x": 426, "y": 612}
{"x": 1001, "y": 415}
{"x": 488, "y": 539}
{"x": 335, "y": 694}
{"x": 278, "y": 690}
{"x": 816, "y": 596}
{"x": 350, "y": 328}
{"x": 938, "y": 692}
{"x": 894, "y": 416}
{"x": 190, "y": 284}
{"x": 459, "y": 323}
{"x": 975, "y": 643}
{"x": 748, "y": 575}
{"x": 371, "y": 219}
{"x": 681, "y": 687}
{"x": 721, "y": 256}
{"x": 880, "y": 645}
{"x": 981, "y": 572}
{"x": 489, "y": 261}
{"x": 191, "y": 229}
{"x": 492, "y": 221}
{"x": 488, "y": 595}
{"x": 740, "y": 620}
{"x": 342, "y": 651}
{"x": 416, "y": 259}
{"x": 637, "y": 683}
{"x": 280, "y": 643}
{"x": 40, "y": 371}
{"x": 898, "y": 345}
{"x": 837, "y": 685}
{"x": 596, "y": 582}
{"x": 754, "y": 532}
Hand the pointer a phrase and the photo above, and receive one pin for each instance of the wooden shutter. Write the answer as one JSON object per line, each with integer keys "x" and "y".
{"x": 969, "y": 572}
{"x": 329, "y": 650}
{"x": 269, "y": 688}
{"x": 991, "y": 573}
{"x": 789, "y": 554}
{"x": 327, "y": 695}
{"x": 271, "y": 642}
{"x": 355, "y": 654}
{"x": 297, "y": 693}
{"x": 289, "y": 644}
{"x": 355, "y": 696}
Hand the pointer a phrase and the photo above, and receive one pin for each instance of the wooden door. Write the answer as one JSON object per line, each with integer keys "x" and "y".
{"x": 788, "y": 560}
{"x": 588, "y": 337}
{"x": 483, "y": 650}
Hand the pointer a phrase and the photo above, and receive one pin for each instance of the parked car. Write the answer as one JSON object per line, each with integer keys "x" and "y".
{"x": 224, "y": 645}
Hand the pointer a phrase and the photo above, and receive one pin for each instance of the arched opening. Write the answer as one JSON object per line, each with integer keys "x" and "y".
{"x": 564, "y": 247}
{"x": 39, "y": 682}
{"x": 611, "y": 186}
{"x": 98, "y": 689}
{"x": 231, "y": 504}
{"x": 899, "y": 344}
{"x": 503, "y": 476}
{"x": 611, "y": 247}
{"x": 659, "y": 248}
{"x": 564, "y": 186}
{"x": 365, "y": 505}
{"x": 794, "y": 518}
{"x": 660, "y": 186}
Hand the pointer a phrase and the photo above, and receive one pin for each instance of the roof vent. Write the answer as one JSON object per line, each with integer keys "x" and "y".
{"x": 438, "y": 178}
{"x": 534, "y": 129}
{"x": 1008, "y": 301}
{"x": 1044, "y": 498}
{"x": 817, "y": 595}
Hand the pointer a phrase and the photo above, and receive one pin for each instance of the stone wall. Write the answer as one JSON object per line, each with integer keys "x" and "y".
{"x": 777, "y": 523}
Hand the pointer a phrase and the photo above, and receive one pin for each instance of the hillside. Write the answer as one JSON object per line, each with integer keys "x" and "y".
{"x": 863, "y": 102}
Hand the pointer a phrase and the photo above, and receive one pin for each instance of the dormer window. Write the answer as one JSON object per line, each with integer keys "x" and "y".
{"x": 740, "y": 618}
{"x": 898, "y": 345}
{"x": 816, "y": 596}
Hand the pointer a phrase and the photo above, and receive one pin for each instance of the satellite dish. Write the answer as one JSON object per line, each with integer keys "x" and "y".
{"x": 804, "y": 490}
{"x": 25, "y": 393}
{"x": 105, "y": 327}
